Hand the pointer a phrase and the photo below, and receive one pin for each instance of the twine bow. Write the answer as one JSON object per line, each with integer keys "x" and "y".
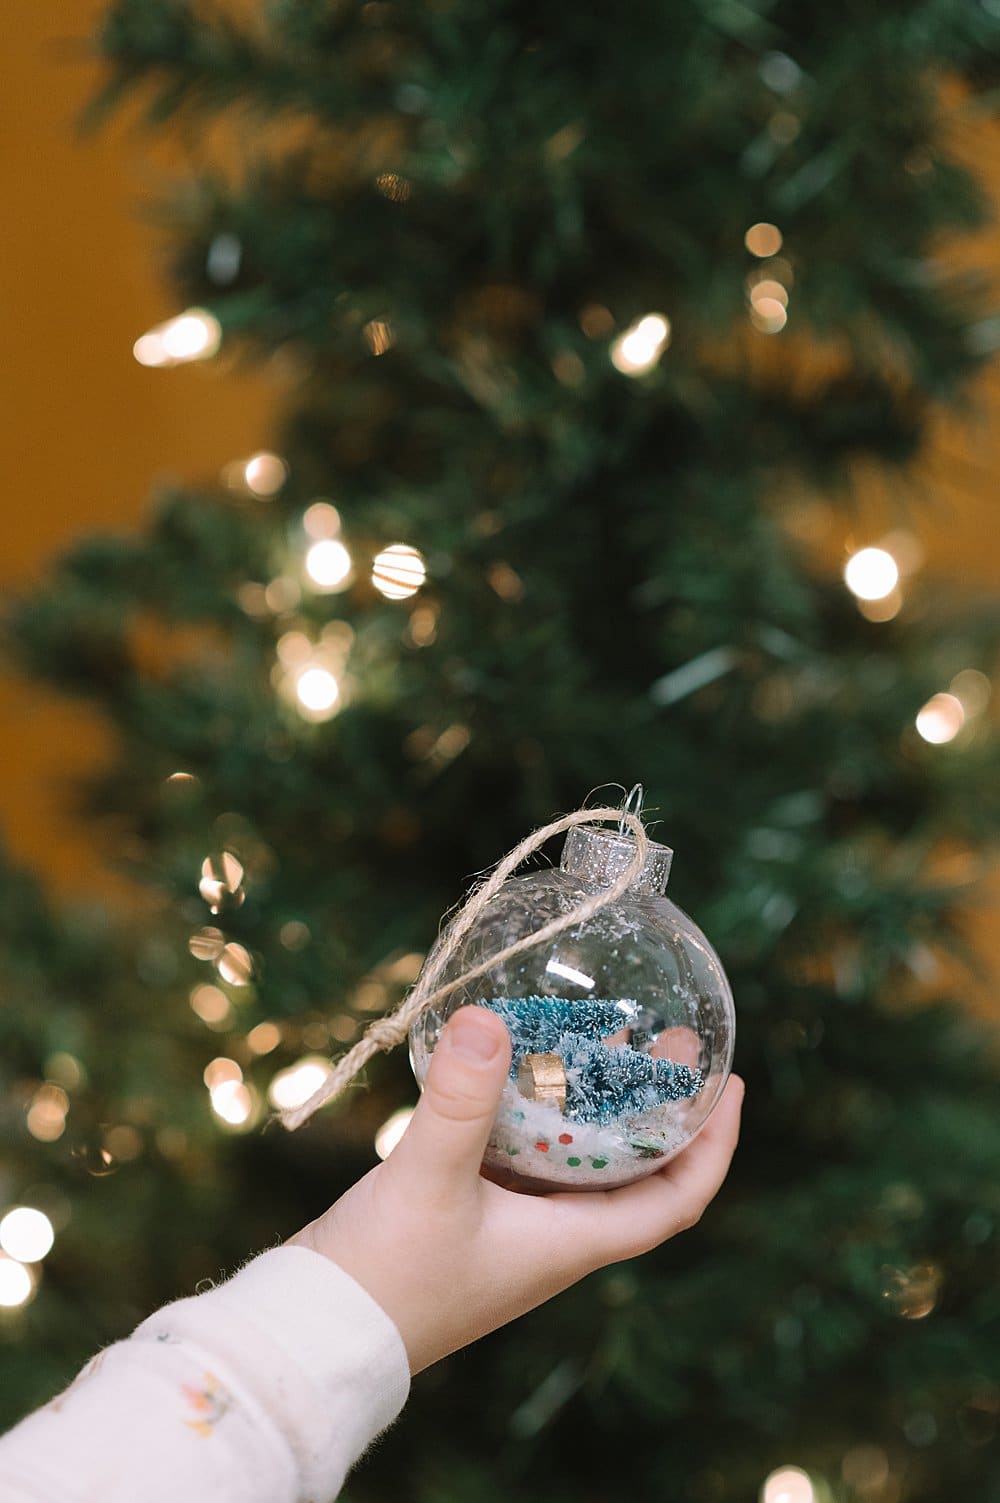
{"x": 386, "y": 1032}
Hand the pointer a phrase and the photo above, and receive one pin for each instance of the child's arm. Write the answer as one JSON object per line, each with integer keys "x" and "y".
{"x": 268, "y": 1388}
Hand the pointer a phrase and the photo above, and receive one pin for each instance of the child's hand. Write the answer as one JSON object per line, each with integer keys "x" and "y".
{"x": 450, "y": 1256}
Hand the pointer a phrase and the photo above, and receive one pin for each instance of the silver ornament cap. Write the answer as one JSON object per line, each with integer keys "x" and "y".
{"x": 599, "y": 856}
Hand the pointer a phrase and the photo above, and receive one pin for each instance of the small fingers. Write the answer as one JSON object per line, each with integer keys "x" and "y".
{"x": 624, "y": 1223}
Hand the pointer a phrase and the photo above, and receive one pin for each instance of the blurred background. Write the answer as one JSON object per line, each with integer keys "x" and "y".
{"x": 821, "y": 383}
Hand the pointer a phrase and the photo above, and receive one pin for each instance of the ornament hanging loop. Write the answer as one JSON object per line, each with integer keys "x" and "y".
{"x": 632, "y": 805}
{"x": 386, "y": 1032}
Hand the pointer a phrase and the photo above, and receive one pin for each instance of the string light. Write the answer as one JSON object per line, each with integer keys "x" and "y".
{"x": 26, "y": 1234}
{"x": 768, "y": 314}
{"x": 221, "y": 877}
{"x": 328, "y": 564}
{"x": 263, "y": 1038}
{"x": 207, "y": 943}
{"x": 871, "y": 573}
{"x": 321, "y": 520}
{"x": 46, "y": 1116}
{"x": 264, "y": 474}
{"x": 913, "y": 1292}
{"x": 235, "y": 964}
{"x": 318, "y": 693}
{"x": 219, "y": 1070}
{"x": 399, "y": 571}
{"x": 295, "y": 1085}
{"x": 232, "y": 1103}
{"x": 392, "y": 1130}
{"x": 639, "y": 348}
{"x": 393, "y": 187}
{"x": 941, "y": 719}
{"x": 763, "y": 239}
{"x": 195, "y": 334}
{"x": 16, "y": 1283}
{"x": 379, "y": 336}
{"x": 789, "y": 1484}
{"x": 767, "y": 287}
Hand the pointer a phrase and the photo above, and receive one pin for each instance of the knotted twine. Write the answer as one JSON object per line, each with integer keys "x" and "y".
{"x": 386, "y": 1032}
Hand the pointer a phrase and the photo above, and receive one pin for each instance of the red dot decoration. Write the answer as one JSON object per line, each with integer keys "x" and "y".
{"x": 542, "y": 1147}
{"x": 565, "y": 1137}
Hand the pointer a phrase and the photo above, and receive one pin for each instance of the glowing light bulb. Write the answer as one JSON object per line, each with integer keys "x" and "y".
{"x": 235, "y": 965}
{"x": 16, "y": 1283}
{"x": 398, "y": 571}
{"x": 193, "y": 335}
{"x": 217, "y": 1071}
{"x": 392, "y": 1130}
{"x": 763, "y": 239}
{"x": 768, "y": 314}
{"x": 46, "y": 1116}
{"x": 328, "y": 564}
{"x": 263, "y": 1038}
{"x": 264, "y": 474}
{"x": 317, "y": 692}
{"x": 789, "y": 1484}
{"x": 767, "y": 287}
{"x": 641, "y": 345}
{"x": 232, "y": 1102}
{"x": 941, "y": 719}
{"x": 379, "y": 336}
{"x": 221, "y": 878}
{"x": 871, "y": 573}
{"x": 295, "y": 1085}
{"x": 26, "y": 1234}
{"x": 321, "y": 520}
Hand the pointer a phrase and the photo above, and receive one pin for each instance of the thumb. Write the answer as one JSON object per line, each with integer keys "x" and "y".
{"x": 447, "y": 1136}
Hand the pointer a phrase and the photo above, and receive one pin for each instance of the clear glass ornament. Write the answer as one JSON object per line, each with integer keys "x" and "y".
{"x": 622, "y": 1027}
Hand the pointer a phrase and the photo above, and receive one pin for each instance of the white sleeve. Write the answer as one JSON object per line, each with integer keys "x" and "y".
{"x": 264, "y": 1390}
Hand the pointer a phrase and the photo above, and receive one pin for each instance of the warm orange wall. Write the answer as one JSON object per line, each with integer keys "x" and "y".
{"x": 84, "y": 431}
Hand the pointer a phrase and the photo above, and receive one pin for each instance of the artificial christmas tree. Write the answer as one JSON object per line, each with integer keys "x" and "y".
{"x": 583, "y": 311}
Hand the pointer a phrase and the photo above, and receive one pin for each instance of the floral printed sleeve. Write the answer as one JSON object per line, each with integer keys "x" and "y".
{"x": 264, "y": 1390}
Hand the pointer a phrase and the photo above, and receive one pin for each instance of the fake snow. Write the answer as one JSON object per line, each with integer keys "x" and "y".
{"x": 534, "y": 1140}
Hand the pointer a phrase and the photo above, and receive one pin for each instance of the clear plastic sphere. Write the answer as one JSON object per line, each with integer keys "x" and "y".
{"x": 622, "y": 1027}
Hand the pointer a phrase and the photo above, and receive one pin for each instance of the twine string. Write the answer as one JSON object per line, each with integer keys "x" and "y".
{"x": 386, "y": 1032}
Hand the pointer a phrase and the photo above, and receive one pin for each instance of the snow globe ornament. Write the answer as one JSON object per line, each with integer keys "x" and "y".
{"x": 621, "y": 1026}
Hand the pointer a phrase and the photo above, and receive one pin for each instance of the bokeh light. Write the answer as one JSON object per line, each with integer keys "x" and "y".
{"x": 219, "y": 1070}
{"x": 195, "y": 334}
{"x": 317, "y": 692}
{"x": 763, "y": 239}
{"x": 26, "y": 1234}
{"x": 788, "y": 1484}
{"x": 46, "y": 1116}
{"x": 264, "y": 474}
{"x": 941, "y": 719}
{"x": 871, "y": 573}
{"x": 321, "y": 520}
{"x": 398, "y": 571}
{"x": 232, "y": 1102}
{"x": 211, "y": 1005}
{"x": 16, "y": 1283}
{"x": 639, "y": 348}
{"x": 328, "y": 564}
{"x": 295, "y": 1085}
{"x": 263, "y": 1038}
